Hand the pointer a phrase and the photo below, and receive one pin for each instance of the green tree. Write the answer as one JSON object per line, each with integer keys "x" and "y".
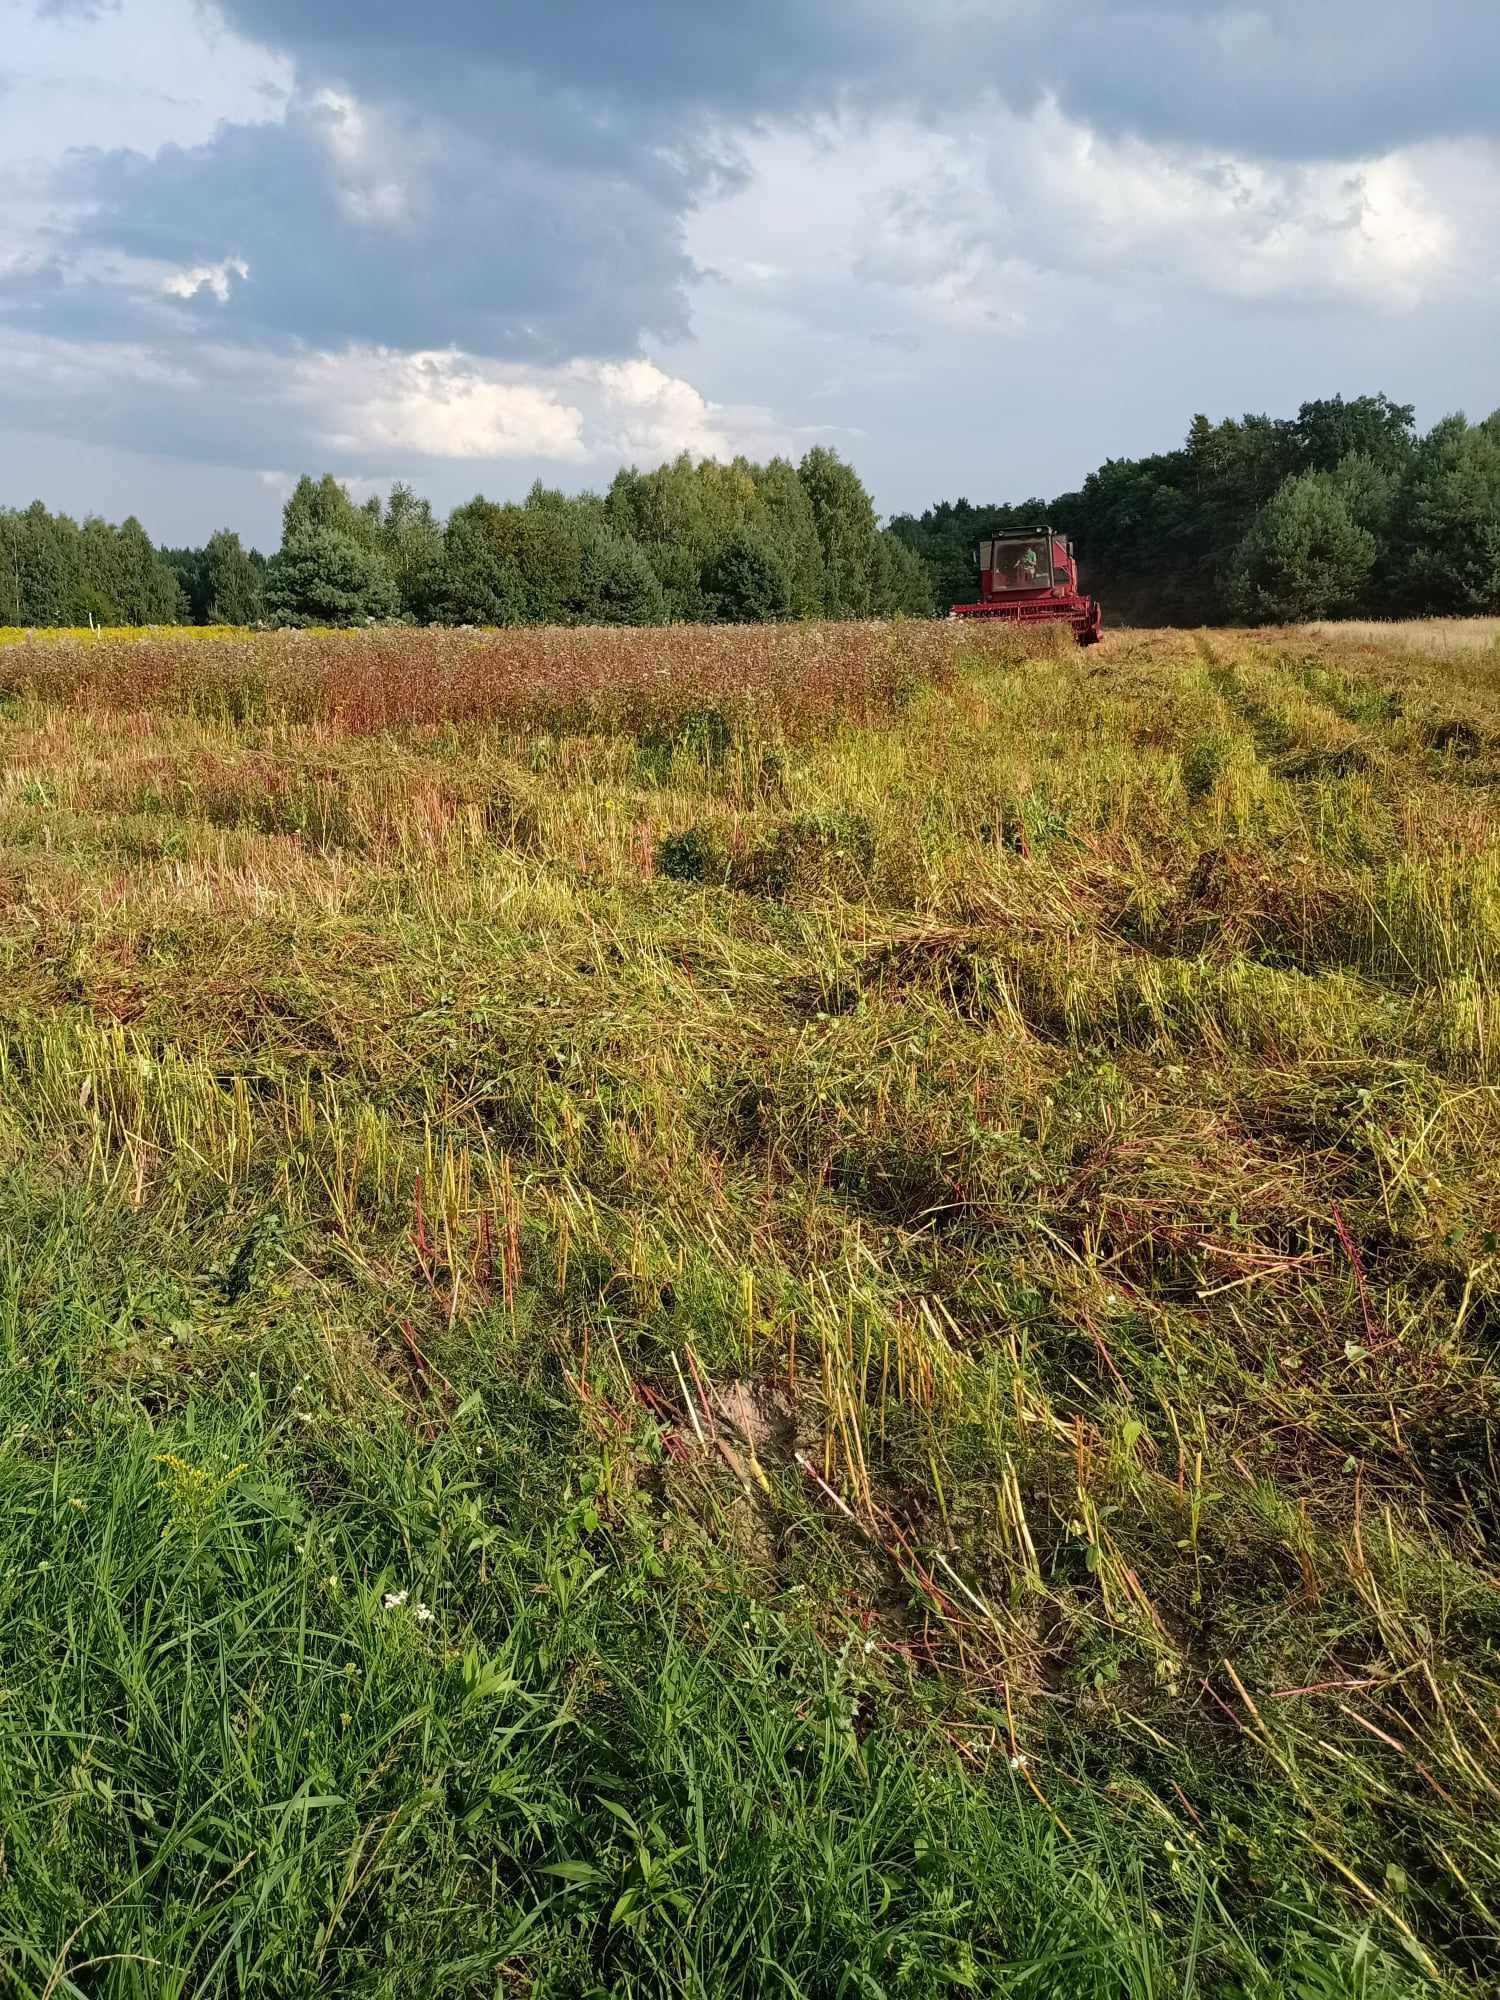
{"x": 1150, "y": 542}
{"x": 1369, "y": 490}
{"x": 900, "y": 580}
{"x": 844, "y": 515}
{"x": 617, "y": 585}
{"x": 230, "y": 586}
{"x": 323, "y": 506}
{"x": 514, "y": 565}
{"x": 479, "y": 581}
{"x": 749, "y": 582}
{"x": 186, "y": 565}
{"x": 786, "y": 522}
{"x": 54, "y": 572}
{"x": 549, "y": 531}
{"x": 1329, "y": 430}
{"x": 324, "y": 578}
{"x": 1447, "y": 557}
{"x": 1205, "y": 451}
{"x": 43, "y": 551}
{"x": 412, "y": 543}
{"x": 146, "y": 590}
{"x": 662, "y": 511}
{"x": 1304, "y": 555}
{"x": 10, "y": 559}
{"x": 332, "y": 567}
{"x": 98, "y": 585}
{"x": 684, "y": 516}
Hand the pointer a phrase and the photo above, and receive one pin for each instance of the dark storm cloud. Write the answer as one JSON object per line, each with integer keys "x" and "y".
{"x": 354, "y": 232}
{"x": 516, "y": 180}
{"x": 521, "y": 176}
{"x": 1289, "y": 78}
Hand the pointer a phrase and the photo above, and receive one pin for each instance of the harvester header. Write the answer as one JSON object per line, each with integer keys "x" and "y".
{"x": 1029, "y": 576}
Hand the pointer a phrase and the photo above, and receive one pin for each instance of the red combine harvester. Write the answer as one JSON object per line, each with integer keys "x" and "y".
{"x": 1031, "y": 578}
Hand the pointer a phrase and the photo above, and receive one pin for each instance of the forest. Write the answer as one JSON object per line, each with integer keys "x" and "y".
{"x": 692, "y": 542}
{"x": 1343, "y": 510}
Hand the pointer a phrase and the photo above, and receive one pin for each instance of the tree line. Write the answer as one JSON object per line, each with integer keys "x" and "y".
{"x": 1342, "y": 510}
{"x": 691, "y": 541}
{"x": 55, "y": 572}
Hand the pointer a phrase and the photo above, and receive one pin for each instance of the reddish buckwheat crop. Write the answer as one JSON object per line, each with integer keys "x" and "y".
{"x": 799, "y": 678}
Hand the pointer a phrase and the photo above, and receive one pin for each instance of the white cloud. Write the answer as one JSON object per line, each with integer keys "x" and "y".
{"x": 374, "y": 172}
{"x": 1060, "y": 197}
{"x": 369, "y": 411}
{"x": 966, "y": 230}
{"x": 649, "y": 414}
{"x": 452, "y": 405}
{"x": 441, "y": 405}
{"x": 207, "y": 277}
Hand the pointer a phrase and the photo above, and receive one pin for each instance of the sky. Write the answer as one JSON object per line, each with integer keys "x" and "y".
{"x": 976, "y": 246}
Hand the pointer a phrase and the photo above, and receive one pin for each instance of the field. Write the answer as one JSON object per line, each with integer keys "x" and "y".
{"x": 809, "y": 1311}
{"x": 1437, "y": 638}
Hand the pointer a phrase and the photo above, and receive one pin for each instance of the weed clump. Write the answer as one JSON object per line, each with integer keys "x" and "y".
{"x": 1454, "y": 738}
{"x": 1344, "y": 760}
{"x": 699, "y": 735}
{"x": 695, "y": 854}
{"x": 827, "y": 853}
{"x": 1204, "y": 763}
{"x": 1031, "y": 824}
{"x": 805, "y": 854}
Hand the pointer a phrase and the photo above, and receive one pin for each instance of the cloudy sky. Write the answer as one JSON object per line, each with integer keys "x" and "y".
{"x": 976, "y": 245}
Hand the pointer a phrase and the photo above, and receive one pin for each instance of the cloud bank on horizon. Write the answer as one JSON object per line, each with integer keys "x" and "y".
{"x": 978, "y": 248}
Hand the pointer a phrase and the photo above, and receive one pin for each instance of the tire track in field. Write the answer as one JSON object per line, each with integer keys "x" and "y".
{"x": 1272, "y": 735}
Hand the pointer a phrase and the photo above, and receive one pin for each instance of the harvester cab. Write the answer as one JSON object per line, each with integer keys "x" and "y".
{"x": 1030, "y": 577}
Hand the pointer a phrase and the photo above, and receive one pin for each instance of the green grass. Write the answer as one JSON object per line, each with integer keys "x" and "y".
{"x": 717, "y": 1358}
